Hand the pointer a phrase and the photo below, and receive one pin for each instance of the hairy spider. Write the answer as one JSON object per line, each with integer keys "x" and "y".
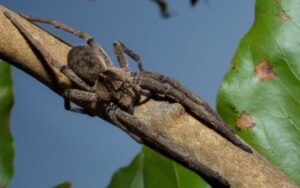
{"x": 90, "y": 69}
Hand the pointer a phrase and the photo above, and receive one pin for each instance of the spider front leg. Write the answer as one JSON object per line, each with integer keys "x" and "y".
{"x": 47, "y": 56}
{"x": 199, "y": 111}
{"x": 86, "y": 37}
{"x": 120, "y": 50}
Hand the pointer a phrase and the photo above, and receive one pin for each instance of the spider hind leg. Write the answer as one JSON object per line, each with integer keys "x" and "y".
{"x": 86, "y": 37}
{"x": 47, "y": 56}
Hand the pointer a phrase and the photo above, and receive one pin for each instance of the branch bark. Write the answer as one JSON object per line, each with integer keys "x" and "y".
{"x": 169, "y": 123}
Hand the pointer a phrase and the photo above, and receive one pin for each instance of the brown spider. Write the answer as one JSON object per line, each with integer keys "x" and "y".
{"x": 90, "y": 69}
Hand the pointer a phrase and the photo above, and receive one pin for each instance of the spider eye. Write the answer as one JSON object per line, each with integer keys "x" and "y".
{"x": 86, "y": 63}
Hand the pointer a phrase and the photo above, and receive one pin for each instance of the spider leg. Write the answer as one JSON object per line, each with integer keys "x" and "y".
{"x": 164, "y": 146}
{"x": 199, "y": 111}
{"x": 82, "y": 96}
{"x": 86, "y": 37}
{"x": 46, "y": 55}
{"x": 175, "y": 84}
{"x": 120, "y": 49}
{"x": 67, "y": 105}
{"x": 110, "y": 110}
{"x": 92, "y": 98}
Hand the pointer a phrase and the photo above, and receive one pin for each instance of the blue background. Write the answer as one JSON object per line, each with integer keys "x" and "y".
{"x": 195, "y": 46}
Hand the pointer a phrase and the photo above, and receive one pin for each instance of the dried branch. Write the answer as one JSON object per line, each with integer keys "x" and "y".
{"x": 164, "y": 126}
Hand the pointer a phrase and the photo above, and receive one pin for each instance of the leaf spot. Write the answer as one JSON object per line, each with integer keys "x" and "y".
{"x": 276, "y": 1}
{"x": 283, "y": 17}
{"x": 233, "y": 108}
{"x": 264, "y": 71}
{"x": 234, "y": 67}
{"x": 244, "y": 121}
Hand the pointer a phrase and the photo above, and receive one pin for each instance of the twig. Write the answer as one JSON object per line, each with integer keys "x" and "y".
{"x": 180, "y": 134}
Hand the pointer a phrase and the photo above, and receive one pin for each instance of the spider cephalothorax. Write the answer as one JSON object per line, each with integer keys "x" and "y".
{"x": 117, "y": 85}
{"x": 92, "y": 71}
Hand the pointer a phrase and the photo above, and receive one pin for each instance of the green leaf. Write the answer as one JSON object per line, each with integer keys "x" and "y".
{"x": 66, "y": 184}
{"x": 6, "y": 140}
{"x": 260, "y": 94}
{"x": 152, "y": 170}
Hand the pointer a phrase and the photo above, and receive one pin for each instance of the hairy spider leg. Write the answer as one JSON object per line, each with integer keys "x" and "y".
{"x": 120, "y": 49}
{"x": 86, "y": 37}
{"x": 48, "y": 58}
{"x": 111, "y": 111}
{"x": 163, "y": 145}
{"x": 82, "y": 96}
{"x": 197, "y": 110}
{"x": 122, "y": 119}
{"x": 92, "y": 98}
{"x": 67, "y": 105}
{"x": 46, "y": 55}
{"x": 175, "y": 84}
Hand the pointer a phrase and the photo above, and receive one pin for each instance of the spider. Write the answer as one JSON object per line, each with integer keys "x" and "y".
{"x": 102, "y": 84}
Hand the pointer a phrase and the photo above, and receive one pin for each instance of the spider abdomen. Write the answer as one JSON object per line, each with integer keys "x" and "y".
{"x": 86, "y": 63}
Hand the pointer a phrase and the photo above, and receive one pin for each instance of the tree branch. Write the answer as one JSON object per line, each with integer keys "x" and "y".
{"x": 165, "y": 126}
